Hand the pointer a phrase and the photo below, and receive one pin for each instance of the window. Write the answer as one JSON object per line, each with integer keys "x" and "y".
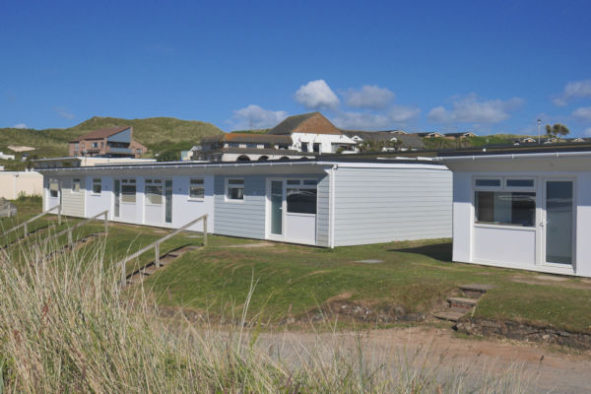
{"x": 76, "y": 185}
{"x": 235, "y": 189}
{"x": 524, "y": 183}
{"x": 95, "y": 144}
{"x": 53, "y": 188}
{"x": 128, "y": 190}
{"x": 509, "y": 208}
{"x": 488, "y": 182}
{"x": 301, "y": 196}
{"x": 316, "y": 147}
{"x": 304, "y": 147}
{"x": 96, "y": 186}
{"x": 196, "y": 189}
{"x": 514, "y": 204}
{"x": 153, "y": 191}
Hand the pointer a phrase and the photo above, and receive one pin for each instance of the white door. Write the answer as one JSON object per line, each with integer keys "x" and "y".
{"x": 559, "y": 224}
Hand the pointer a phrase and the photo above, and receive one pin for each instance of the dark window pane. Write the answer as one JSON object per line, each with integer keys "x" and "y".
{"x": 488, "y": 182}
{"x": 301, "y": 200}
{"x": 514, "y": 208}
{"x": 520, "y": 183}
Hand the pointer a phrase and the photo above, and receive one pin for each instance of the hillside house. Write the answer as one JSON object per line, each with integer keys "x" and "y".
{"x": 110, "y": 142}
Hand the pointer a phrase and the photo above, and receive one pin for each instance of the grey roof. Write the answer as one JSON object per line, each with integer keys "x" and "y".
{"x": 249, "y": 138}
{"x": 408, "y": 140}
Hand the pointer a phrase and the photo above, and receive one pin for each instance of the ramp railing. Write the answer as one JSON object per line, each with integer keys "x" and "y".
{"x": 25, "y": 224}
{"x": 156, "y": 246}
{"x": 69, "y": 230}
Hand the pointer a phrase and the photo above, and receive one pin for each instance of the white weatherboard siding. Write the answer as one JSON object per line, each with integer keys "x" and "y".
{"x": 374, "y": 205}
{"x": 241, "y": 218}
{"x": 184, "y": 209}
{"x": 73, "y": 202}
{"x": 323, "y": 211}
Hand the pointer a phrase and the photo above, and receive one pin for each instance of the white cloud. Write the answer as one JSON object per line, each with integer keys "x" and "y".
{"x": 369, "y": 96}
{"x": 471, "y": 109}
{"x": 574, "y": 90}
{"x": 255, "y": 117}
{"x": 361, "y": 121}
{"x": 396, "y": 116}
{"x": 402, "y": 114}
{"x": 587, "y": 132}
{"x": 316, "y": 95}
{"x": 64, "y": 113}
{"x": 19, "y": 126}
{"x": 583, "y": 113}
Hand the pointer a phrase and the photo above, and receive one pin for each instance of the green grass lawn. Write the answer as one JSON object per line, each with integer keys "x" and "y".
{"x": 292, "y": 280}
{"x": 414, "y": 275}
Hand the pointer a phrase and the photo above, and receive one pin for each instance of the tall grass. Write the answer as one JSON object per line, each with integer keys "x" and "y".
{"x": 67, "y": 325}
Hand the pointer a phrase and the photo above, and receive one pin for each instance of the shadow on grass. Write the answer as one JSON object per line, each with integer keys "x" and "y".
{"x": 441, "y": 252}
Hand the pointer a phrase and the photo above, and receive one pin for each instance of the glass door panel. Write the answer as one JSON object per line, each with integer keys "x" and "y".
{"x": 277, "y": 207}
{"x": 168, "y": 201}
{"x": 559, "y": 222}
{"x": 117, "y": 187}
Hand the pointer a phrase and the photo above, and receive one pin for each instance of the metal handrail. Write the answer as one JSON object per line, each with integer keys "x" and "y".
{"x": 82, "y": 223}
{"x": 156, "y": 246}
{"x": 25, "y": 224}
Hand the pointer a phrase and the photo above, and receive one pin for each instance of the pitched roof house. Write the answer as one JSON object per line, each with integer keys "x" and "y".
{"x": 108, "y": 142}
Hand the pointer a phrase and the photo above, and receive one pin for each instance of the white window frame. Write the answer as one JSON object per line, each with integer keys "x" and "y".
{"x": 79, "y": 182}
{"x": 100, "y": 182}
{"x": 153, "y": 182}
{"x": 189, "y": 189}
{"x": 504, "y": 188}
{"x": 226, "y": 189}
{"x": 124, "y": 182}
{"x": 300, "y": 185}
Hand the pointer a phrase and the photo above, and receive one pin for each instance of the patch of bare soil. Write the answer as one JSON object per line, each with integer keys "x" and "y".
{"x": 545, "y": 369}
{"x": 252, "y": 245}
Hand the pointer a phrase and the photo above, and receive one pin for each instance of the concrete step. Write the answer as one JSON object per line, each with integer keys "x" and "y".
{"x": 475, "y": 290}
{"x": 449, "y": 315}
{"x": 462, "y": 302}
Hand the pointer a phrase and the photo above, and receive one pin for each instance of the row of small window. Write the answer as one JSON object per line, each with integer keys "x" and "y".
{"x": 497, "y": 183}
{"x": 153, "y": 189}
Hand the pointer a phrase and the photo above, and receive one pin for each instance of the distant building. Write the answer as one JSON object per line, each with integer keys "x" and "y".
{"x": 58, "y": 162}
{"x": 313, "y": 133}
{"x": 389, "y": 141}
{"x": 297, "y": 137}
{"x": 4, "y": 156}
{"x": 17, "y": 183}
{"x": 431, "y": 134}
{"x": 467, "y": 134}
{"x": 111, "y": 142}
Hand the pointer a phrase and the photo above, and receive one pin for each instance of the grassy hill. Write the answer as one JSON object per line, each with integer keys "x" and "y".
{"x": 158, "y": 134}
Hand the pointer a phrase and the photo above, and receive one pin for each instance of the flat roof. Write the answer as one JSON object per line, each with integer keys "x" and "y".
{"x": 553, "y": 150}
{"x": 376, "y": 163}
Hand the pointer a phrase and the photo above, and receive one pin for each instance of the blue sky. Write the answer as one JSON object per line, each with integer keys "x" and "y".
{"x": 493, "y": 66}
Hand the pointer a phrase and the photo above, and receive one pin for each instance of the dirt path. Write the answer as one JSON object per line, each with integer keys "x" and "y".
{"x": 543, "y": 368}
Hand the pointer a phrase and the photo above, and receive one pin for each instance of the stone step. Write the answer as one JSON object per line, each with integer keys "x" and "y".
{"x": 475, "y": 290}
{"x": 449, "y": 315}
{"x": 462, "y": 302}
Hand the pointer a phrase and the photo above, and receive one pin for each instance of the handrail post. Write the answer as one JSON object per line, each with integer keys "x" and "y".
{"x": 59, "y": 214}
{"x": 123, "y": 274}
{"x": 205, "y": 230}
{"x": 106, "y": 222}
{"x": 157, "y": 255}
{"x": 25, "y": 226}
{"x": 70, "y": 238}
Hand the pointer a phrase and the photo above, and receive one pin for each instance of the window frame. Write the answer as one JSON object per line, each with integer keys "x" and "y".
{"x": 153, "y": 182}
{"x": 503, "y": 188}
{"x": 100, "y": 183}
{"x": 227, "y": 188}
{"x": 302, "y": 184}
{"x": 76, "y": 181}
{"x": 128, "y": 182}
{"x": 189, "y": 189}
